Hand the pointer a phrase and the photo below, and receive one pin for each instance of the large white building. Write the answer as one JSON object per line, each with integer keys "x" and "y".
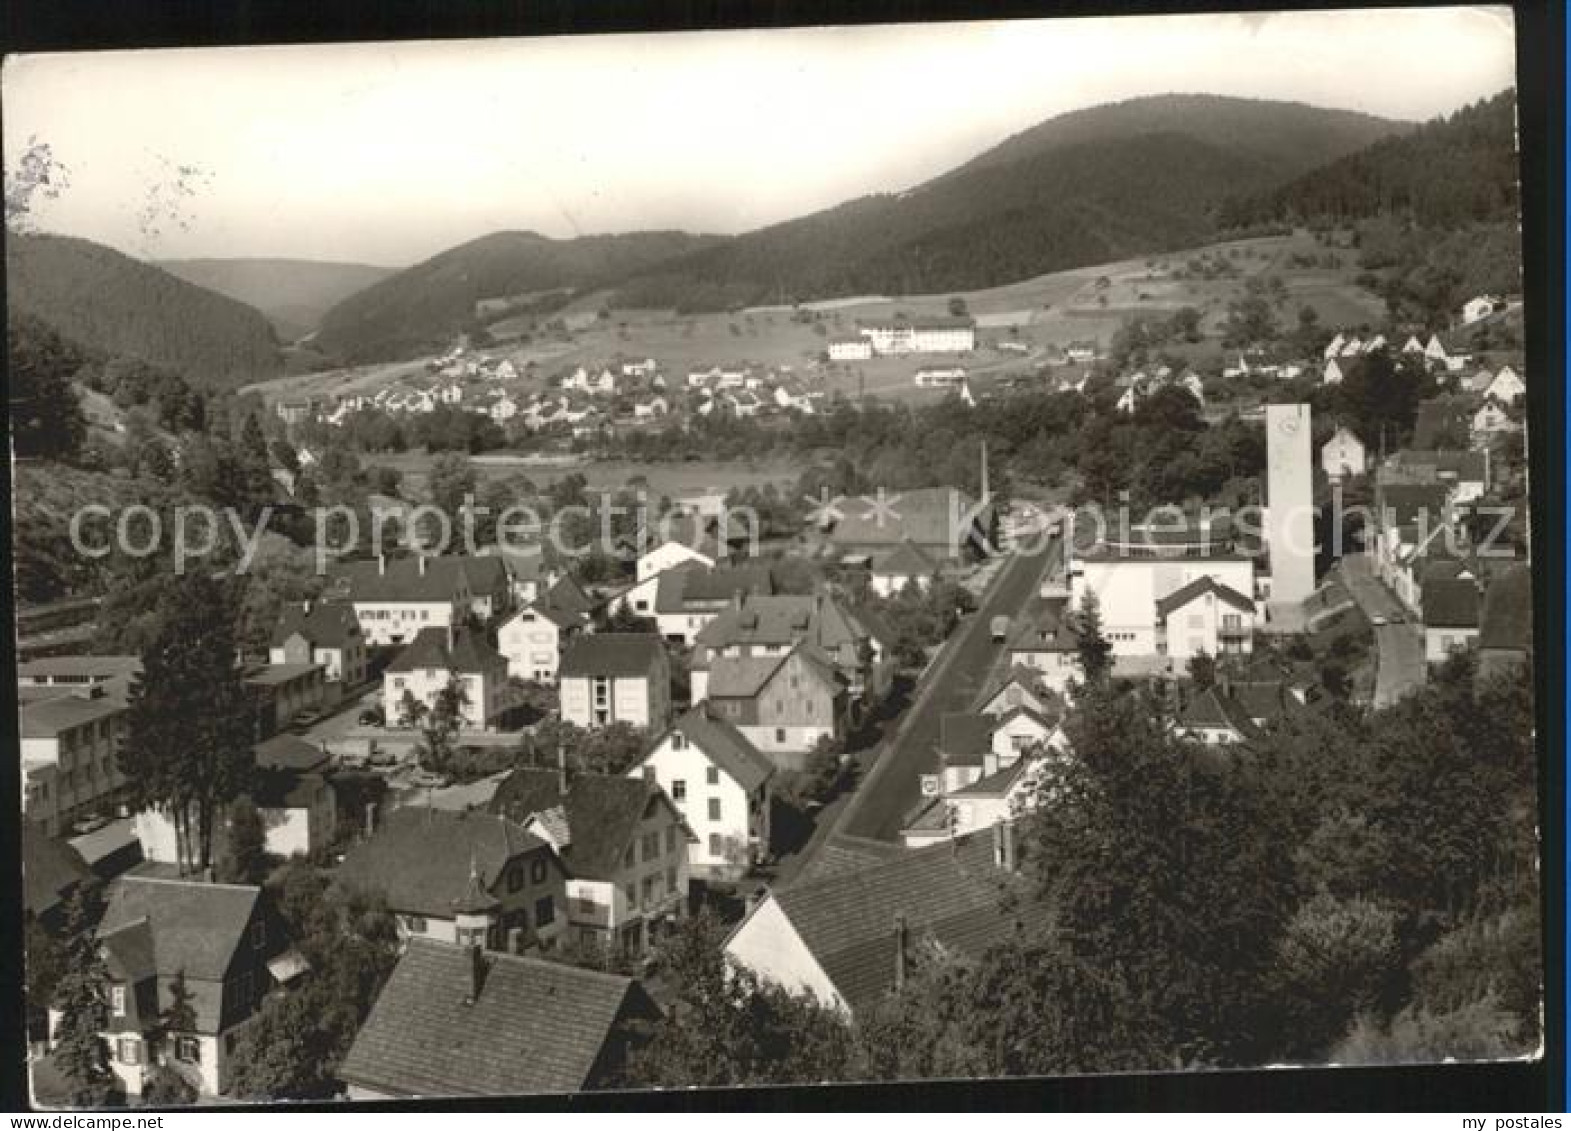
{"x": 921, "y": 335}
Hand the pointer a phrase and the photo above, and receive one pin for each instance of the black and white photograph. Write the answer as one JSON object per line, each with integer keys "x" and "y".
{"x": 771, "y": 557}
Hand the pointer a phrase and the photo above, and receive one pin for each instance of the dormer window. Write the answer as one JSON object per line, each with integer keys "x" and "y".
{"x": 117, "y": 1000}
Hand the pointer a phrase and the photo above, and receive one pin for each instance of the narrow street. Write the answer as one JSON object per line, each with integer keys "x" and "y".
{"x": 886, "y": 796}
{"x": 1400, "y": 667}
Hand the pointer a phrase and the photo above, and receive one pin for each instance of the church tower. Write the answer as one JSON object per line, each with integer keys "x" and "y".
{"x": 1290, "y": 509}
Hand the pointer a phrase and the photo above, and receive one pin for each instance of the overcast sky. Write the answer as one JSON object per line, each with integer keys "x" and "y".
{"x": 388, "y": 153}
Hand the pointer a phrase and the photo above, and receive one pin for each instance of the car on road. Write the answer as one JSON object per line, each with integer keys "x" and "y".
{"x": 999, "y": 626}
{"x": 1379, "y": 619}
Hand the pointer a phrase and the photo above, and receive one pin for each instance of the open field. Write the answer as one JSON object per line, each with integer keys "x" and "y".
{"x": 1043, "y": 312}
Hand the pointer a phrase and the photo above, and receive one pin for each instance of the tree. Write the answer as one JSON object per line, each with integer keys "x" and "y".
{"x": 727, "y": 1028}
{"x": 439, "y": 723}
{"x": 189, "y": 725}
{"x": 1202, "y": 670}
{"x": 957, "y": 307}
{"x": 1093, "y": 648}
{"x": 246, "y": 858}
{"x": 80, "y": 1052}
{"x": 255, "y": 462}
{"x": 46, "y": 418}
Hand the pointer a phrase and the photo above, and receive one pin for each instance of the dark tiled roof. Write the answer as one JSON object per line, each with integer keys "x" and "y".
{"x": 965, "y": 738}
{"x": 1465, "y": 465}
{"x": 1211, "y": 710}
{"x": 420, "y": 857}
{"x": 47, "y": 718}
{"x": 1264, "y": 701}
{"x": 1508, "y": 611}
{"x": 50, "y": 869}
{"x": 1407, "y": 501}
{"x": 329, "y": 624}
{"x": 469, "y": 652}
{"x": 1028, "y": 678}
{"x": 1450, "y": 603}
{"x": 534, "y": 1027}
{"x": 691, "y": 586}
{"x": 81, "y": 667}
{"x": 1180, "y": 597}
{"x": 613, "y": 654}
{"x": 949, "y": 892}
{"x": 568, "y": 596}
{"x": 725, "y": 746}
{"x": 787, "y": 618}
{"x": 923, "y": 516}
{"x": 603, "y": 812}
{"x": 999, "y": 782}
{"x": 905, "y": 560}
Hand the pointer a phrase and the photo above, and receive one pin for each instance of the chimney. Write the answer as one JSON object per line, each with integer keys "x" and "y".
{"x": 561, "y": 769}
{"x": 1004, "y": 845}
{"x": 452, "y": 633}
{"x": 422, "y": 560}
{"x": 370, "y": 818}
{"x": 900, "y": 950}
{"x": 476, "y": 972}
{"x": 381, "y": 565}
{"x": 305, "y": 607}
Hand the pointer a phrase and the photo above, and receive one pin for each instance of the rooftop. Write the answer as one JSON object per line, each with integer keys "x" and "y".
{"x": 602, "y": 813}
{"x": 533, "y": 1027}
{"x": 613, "y": 654}
{"x": 464, "y": 651}
{"x": 725, "y": 746}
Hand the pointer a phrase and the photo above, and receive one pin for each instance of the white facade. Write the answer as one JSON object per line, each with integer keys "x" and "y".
{"x": 850, "y": 349}
{"x": 531, "y": 642}
{"x": 1290, "y": 516}
{"x": 591, "y": 702}
{"x": 1206, "y": 623}
{"x": 1343, "y": 455}
{"x": 767, "y": 943}
{"x": 484, "y": 693}
{"x": 666, "y": 555}
{"x": 1506, "y": 387}
{"x": 396, "y": 622}
{"x": 1129, "y": 588}
{"x": 917, "y": 337}
{"x": 732, "y": 827}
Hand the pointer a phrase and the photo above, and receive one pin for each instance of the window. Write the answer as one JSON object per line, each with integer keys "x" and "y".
{"x": 545, "y": 912}
{"x": 630, "y": 857}
{"x": 712, "y": 775}
{"x": 714, "y": 808}
{"x": 631, "y": 892}
{"x": 117, "y": 999}
{"x": 649, "y": 889}
{"x": 678, "y": 742}
{"x": 537, "y": 872}
{"x": 414, "y": 924}
{"x": 679, "y": 790}
{"x": 716, "y": 844}
{"x": 651, "y": 846}
{"x": 188, "y": 1049}
{"x": 670, "y": 878}
{"x": 586, "y": 906}
{"x": 129, "y": 1051}
{"x": 780, "y": 734}
{"x": 670, "y": 838}
{"x": 515, "y": 877}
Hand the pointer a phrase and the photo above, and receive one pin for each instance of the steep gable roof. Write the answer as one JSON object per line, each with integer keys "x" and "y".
{"x": 535, "y": 1026}
{"x": 725, "y": 746}
{"x": 964, "y": 737}
{"x": 951, "y": 893}
{"x": 1450, "y": 603}
{"x": 602, "y": 812}
{"x": 424, "y": 580}
{"x": 50, "y": 870}
{"x": 1180, "y": 597}
{"x": 1507, "y": 620}
{"x": 1212, "y": 710}
{"x": 905, "y": 560}
{"x": 420, "y": 857}
{"x": 325, "y": 624}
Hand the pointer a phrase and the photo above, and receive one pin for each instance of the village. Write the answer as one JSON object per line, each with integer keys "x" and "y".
{"x": 829, "y": 746}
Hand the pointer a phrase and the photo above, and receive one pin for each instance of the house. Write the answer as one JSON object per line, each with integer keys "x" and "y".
{"x": 651, "y": 408}
{"x": 1205, "y": 616}
{"x": 1479, "y": 307}
{"x": 282, "y": 692}
{"x": 721, "y": 785}
{"x": 1412, "y": 345}
{"x": 1342, "y": 456}
{"x": 1506, "y": 387}
{"x": 394, "y": 598}
{"x": 1045, "y": 642}
{"x": 1081, "y": 352}
{"x": 854, "y": 642}
{"x": 424, "y": 860}
{"x": 624, "y": 844}
{"x": 744, "y": 403}
{"x": 612, "y": 677}
{"x": 991, "y": 771}
{"x": 850, "y": 347}
{"x": 1505, "y": 635}
{"x": 465, "y": 1021}
{"x": 940, "y": 378}
{"x": 904, "y": 565}
{"x": 439, "y": 656}
{"x": 945, "y": 523}
{"x": 1451, "y": 612}
{"x": 1017, "y": 686}
{"x": 1215, "y": 718}
{"x": 322, "y": 633}
{"x": 1465, "y": 473}
{"x": 1492, "y": 420}
{"x": 531, "y": 641}
{"x": 848, "y": 938}
{"x": 69, "y": 751}
{"x": 1334, "y": 347}
{"x": 688, "y": 598}
{"x": 227, "y": 943}
{"x": 1442, "y": 423}
{"x": 293, "y": 795}
{"x": 1332, "y": 374}
{"x": 1409, "y": 519}
{"x": 784, "y": 704}
{"x": 1434, "y": 352}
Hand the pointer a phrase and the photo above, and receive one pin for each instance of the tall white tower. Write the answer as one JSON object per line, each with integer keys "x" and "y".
{"x": 1290, "y": 500}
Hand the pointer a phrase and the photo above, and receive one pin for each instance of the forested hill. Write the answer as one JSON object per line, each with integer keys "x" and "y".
{"x": 426, "y": 304}
{"x": 1126, "y": 179}
{"x": 122, "y": 307}
{"x": 1447, "y": 173}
